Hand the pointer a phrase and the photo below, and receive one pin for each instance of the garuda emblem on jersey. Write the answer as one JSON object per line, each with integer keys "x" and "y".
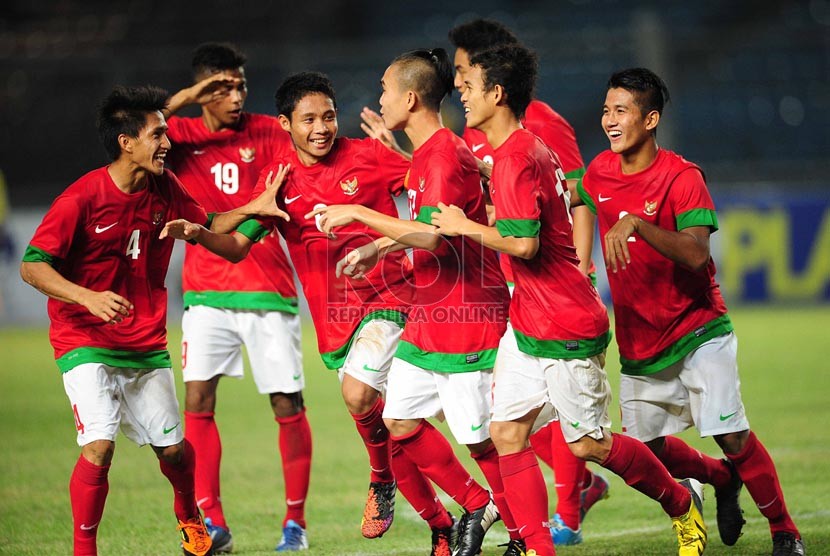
{"x": 349, "y": 187}
{"x": 421, "y": 184}
{"x": 247, "y": 154}
{"x": 650, "y": 208}
{"x": 158, "y": 216}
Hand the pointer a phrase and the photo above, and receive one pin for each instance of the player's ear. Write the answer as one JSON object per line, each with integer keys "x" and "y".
{"x": 499, "y": 94}
{"x": 284, "y": 122}
{"x": 125, "y": 142}
{"x": 652, "y": 119}
{"x": 411, "y": 100}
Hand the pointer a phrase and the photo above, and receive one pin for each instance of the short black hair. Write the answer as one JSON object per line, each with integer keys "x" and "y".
{"x": 213, "y": 57}
{"x": 650, "y": 92}
{"x": 297, "y": 86}
{"x": 515, "y": 68}
{"x": 125, "y": 111}
{"x": 428, "y": 72}
{"x": 481, "y": 34}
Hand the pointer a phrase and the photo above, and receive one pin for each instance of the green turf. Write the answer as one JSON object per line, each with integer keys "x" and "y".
{"x": 783, "y": 367}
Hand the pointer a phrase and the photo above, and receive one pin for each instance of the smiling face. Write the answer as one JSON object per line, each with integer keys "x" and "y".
{"x": 226, "y": 110}
{"x": 393, "y": 100}
{"x": 313, "y": 127}
{"x": 479, "y": 105}
{"x": 149, "y": 149}
{"x": 626, "y": 127}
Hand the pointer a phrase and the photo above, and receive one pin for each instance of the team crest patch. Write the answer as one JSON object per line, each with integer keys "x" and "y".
{"x": 421, "y": 184}
{"x": 650, "y": 208}
{"x": 157, "y": 217}
{"x": 247, "y": 153}
{"x": 349, "y": 187}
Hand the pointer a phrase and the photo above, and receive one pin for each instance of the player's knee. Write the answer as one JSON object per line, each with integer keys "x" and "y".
{"x": 359, "y": 397}
{"x": 99, "y": 452}
{"x": 589, "y": 449}
{"x": 656, "y": 445}
{"x": 200, "y": 395}
{"x": 286, "y": 405}
{"x": 170, "y": 454}
{"x": 401, "y": 427}
{"x": 507, "y": 436}
{"x": 732, "y": 443}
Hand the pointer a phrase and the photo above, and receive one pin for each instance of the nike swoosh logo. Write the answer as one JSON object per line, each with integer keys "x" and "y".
{"x": 85, "y": 527}
{"x": 475, "y": 428}
{"x": 197, "y": 151}
{"x": 603, "y": 199}
{"x": 99, "y": 229}
{"x": 297, "y": 376}
{"x": 370, "y": 369}
{"x": 167, "y": 431}
{"x": 292, "y": 199}
{"x": 574, "y": 424}
{"x": 478, "y": 147}
{"x": 725, "y": 417}
{"x": 201, "y": 501}
{"x": 290, "y": 502}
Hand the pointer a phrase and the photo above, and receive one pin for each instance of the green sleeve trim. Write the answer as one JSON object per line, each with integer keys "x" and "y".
{"x": 35, "y": 255}
{"x": 518, "y": 228}
{"x": 446, "y": 362}
{"x": 334, "y": 359}
{"x": 253, "y": 230}
{"x": 261, "y": 301}
{"x": 589, "y": 202}
{"x": 697, "y": 217}
{"x": 562, "y": 349}
{"x": 575, "y": 174}
{"x": 425, "y": 214}
{"x": 678, "y": 350}
{"x": 209, "y": 223}
{"x": 159, "y": 359}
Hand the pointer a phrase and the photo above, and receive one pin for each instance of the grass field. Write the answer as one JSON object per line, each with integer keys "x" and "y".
{"x": 785, "y": 385}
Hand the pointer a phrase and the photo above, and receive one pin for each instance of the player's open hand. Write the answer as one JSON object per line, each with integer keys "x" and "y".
{"x": 107, "y": 306}
{"x": 358, "y": 262}
{"x": 616, "y": 242}
{"x": 333, "y": 216}
{"x": 266, "y": 203}
{"x": 212, "y": 88}
{"x": 449, "y": 219}
{"x": 181, "y": 229}
{"x": 374, "y": 127}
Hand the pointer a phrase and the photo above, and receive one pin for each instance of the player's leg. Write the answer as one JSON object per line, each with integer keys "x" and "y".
{"x": 211, "y": 348}
{"x": 273, "y": 339}
{"x": 91, "y": 391}
{"x": 711, "y": 376}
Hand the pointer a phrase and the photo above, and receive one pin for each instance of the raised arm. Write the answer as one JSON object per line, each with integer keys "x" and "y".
{"x": 451, "y": 221}
{"x": 265, "y": 205}
{"x": 207, "y": 90}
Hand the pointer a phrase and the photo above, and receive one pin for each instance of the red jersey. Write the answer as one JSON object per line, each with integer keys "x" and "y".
{"x": 528, "y": 189}
{"x": 358, "y": 172}
{"x": 101, "y": 238}
{"x": 462, "y": 300}
{"x": 662, "y": 310}
{"x": 554, "y": 131}
{"x": 220, "y": 169}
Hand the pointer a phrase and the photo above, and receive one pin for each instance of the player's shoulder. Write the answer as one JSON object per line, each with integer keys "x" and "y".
{"x": 262, "y": 121}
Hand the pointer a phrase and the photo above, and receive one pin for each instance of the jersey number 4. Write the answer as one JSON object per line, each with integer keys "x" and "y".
{"x": 133, "y": 245}
{"x": 226, "y": 177}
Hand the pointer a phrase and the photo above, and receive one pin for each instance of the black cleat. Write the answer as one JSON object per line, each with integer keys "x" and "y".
{"x": 786, "y": 544}
{"x": 443, "y": 539}
{"x": 472, "y": 527}
{"x": 516, "y": 547}
{"x": 730, "y": 516}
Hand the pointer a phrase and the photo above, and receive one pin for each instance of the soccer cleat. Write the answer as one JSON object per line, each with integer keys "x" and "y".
{"x": 379, "y": 510}
{"x": 690, "y": 527}
{"x": 562, "y": 534}
{"x": 729, "y": 513}
{"x": 593, "y": 493}
{"x": 220, "y": 536}
{"x": 472, "y": 527}
{"x": 786, "y": 544}
{"x": 293, "y": 538}
{"x": 515, "y": 547}
{"x": 195, "y": 537}
{"x": 443, "y": 539}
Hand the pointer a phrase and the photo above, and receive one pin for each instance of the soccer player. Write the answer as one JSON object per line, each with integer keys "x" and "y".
{"x": 443, "y": 363}
{"x": 577, "y": 488}
{"x": 678, "y": 354}
{"x": 98, "y": 257}
{"x": 358, "y": 322}
{"x": 219, "y": 156}
{"x": 554, "y": 350}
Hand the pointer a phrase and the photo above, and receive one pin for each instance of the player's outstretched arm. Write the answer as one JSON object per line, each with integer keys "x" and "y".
{"x": 358, "y": 262}
{"x": 450, "y": 220}
{"x": 374, "y": 127}
{"x": 264, "y": 206}
{"x": 688, "y": 247}
{"x": 106, "y": 305}
{"x": 407, "y": 232}
{"x": 234, "y": 246}
{"x": 207, "y": 90}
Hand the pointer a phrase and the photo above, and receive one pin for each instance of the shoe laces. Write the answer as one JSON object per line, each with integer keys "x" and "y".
{"x": 293, "y": 535}
{"x": 381, "y": 496}
{"x": 514, "y": 547}
{"x": 194, "y": 534}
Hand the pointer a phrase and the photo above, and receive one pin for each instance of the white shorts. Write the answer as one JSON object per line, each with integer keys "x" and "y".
{"x": 141, "y": 401}
{"x": 701, "y": 390}
{"x": 463, "y": 399}
{"x": 212, "y": 341}
{"x": 577, "y": 389}
{"x": 370, "y": 355}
